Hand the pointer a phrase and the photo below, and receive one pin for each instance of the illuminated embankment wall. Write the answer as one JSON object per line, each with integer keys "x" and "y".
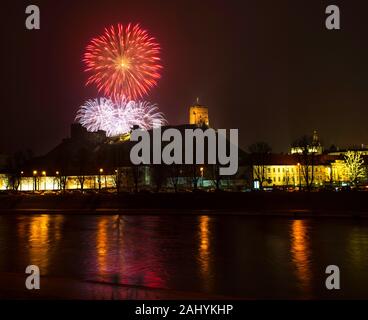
{"x": 54, "y": 183}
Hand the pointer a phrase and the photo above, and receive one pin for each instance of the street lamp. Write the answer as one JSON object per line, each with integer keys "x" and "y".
{"x": 57, "y": 179}
{"x": 44, "y": 177}
{"x": 99, "y": 178}
{"x": 117, "y": 180}
{"x": 34, "y": 180}
{"x": 300, "y": 182}
{"x": 330, "y": 174}
{"x": 201, "y": 169}
{"x": 101, "y": 172}
{"x": 20, "y": 183}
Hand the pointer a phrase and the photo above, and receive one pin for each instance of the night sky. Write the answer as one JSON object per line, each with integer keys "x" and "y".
{"x": 269, "y": 68}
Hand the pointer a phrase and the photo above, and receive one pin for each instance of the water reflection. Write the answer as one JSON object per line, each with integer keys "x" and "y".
{"x": 119, "y": 231}
{"x": 102, "y": 244}
{"x": 358, "y": 247}
{"x": 225, "y": 255}
{"x": 147, "y": 244}
{"x": 204, "y": 251}
{"x": 129, "y": 255}
{"x": 301, "y": 253}
{"x": 42, "y": 235}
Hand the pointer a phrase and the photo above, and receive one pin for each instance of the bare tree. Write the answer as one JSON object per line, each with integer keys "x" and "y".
{"x": 81, "y": 163}
{"x": 136, "y": 176}
{"x": 306, "y": 152}
{"x": 354, "y": 165}
{"x": 195, "y": 175}
{"x": 159, "y": 175}
{"x": 174, "y": 172}
{"x": 216, "y": 177}
{"x": 14, "y": 166}
{"x": 63, "y": 178}
{"x": 259, "y": 154}
{"x": 63, "y": 163}
{"x": 118, "y": 180}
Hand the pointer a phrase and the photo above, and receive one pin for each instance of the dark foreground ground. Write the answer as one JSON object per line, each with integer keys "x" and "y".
{"x": 289, "y": 203}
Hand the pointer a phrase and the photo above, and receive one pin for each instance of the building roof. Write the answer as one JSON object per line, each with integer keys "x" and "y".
{"x": 294, "y": 159}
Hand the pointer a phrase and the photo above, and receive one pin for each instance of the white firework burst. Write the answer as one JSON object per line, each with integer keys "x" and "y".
{"x": 96, "y": 114}
{"x": 118, "y": 118}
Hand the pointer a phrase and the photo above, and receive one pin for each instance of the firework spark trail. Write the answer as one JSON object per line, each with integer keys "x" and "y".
{"x": 123, "y": 62}
{"x": 95, "y": 114}
{"x": 118, "y": 118}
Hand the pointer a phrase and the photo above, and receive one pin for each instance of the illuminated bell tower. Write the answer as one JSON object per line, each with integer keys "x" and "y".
{"x": 198, "y": 115}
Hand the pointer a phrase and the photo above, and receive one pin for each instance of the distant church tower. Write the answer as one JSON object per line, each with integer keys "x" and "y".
{"x": 315, "y": 138}
{"x": 198, "y": 115}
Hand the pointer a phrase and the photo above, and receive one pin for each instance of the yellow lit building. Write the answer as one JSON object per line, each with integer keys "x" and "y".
{"x": 315, "y": 147}
{"x": 287, "y": 171}
{"x": 339, "y": 171}
{"x": 198, "y": 115}
{"x": 45, "y": 183}
{"x": 293, "y": 175}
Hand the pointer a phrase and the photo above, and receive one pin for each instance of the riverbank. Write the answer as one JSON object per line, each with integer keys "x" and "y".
{"x": 258, "y": 203}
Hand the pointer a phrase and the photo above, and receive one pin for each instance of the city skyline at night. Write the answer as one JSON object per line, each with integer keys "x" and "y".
{"x": 192, "y": 158}
{"x": 290, "y": 72}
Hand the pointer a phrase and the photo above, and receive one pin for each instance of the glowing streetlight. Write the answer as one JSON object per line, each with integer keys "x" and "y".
{"x": 34, "y": 180}
{"x": 99, "y": 178}
{"x": 57, "y": 180}
{"x": 44, "y": 178}
{"x": 20, "y": 183}
{"x": 201, "y": 169}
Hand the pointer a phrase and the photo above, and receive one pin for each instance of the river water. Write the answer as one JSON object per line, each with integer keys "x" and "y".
{"x": 226, "y": 255}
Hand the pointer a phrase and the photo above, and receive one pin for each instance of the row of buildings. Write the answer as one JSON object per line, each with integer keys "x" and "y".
{"x": 91, "y": 161}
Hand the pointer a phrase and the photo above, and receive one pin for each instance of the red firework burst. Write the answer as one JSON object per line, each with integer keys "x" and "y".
{"x": 123, "y": 62}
